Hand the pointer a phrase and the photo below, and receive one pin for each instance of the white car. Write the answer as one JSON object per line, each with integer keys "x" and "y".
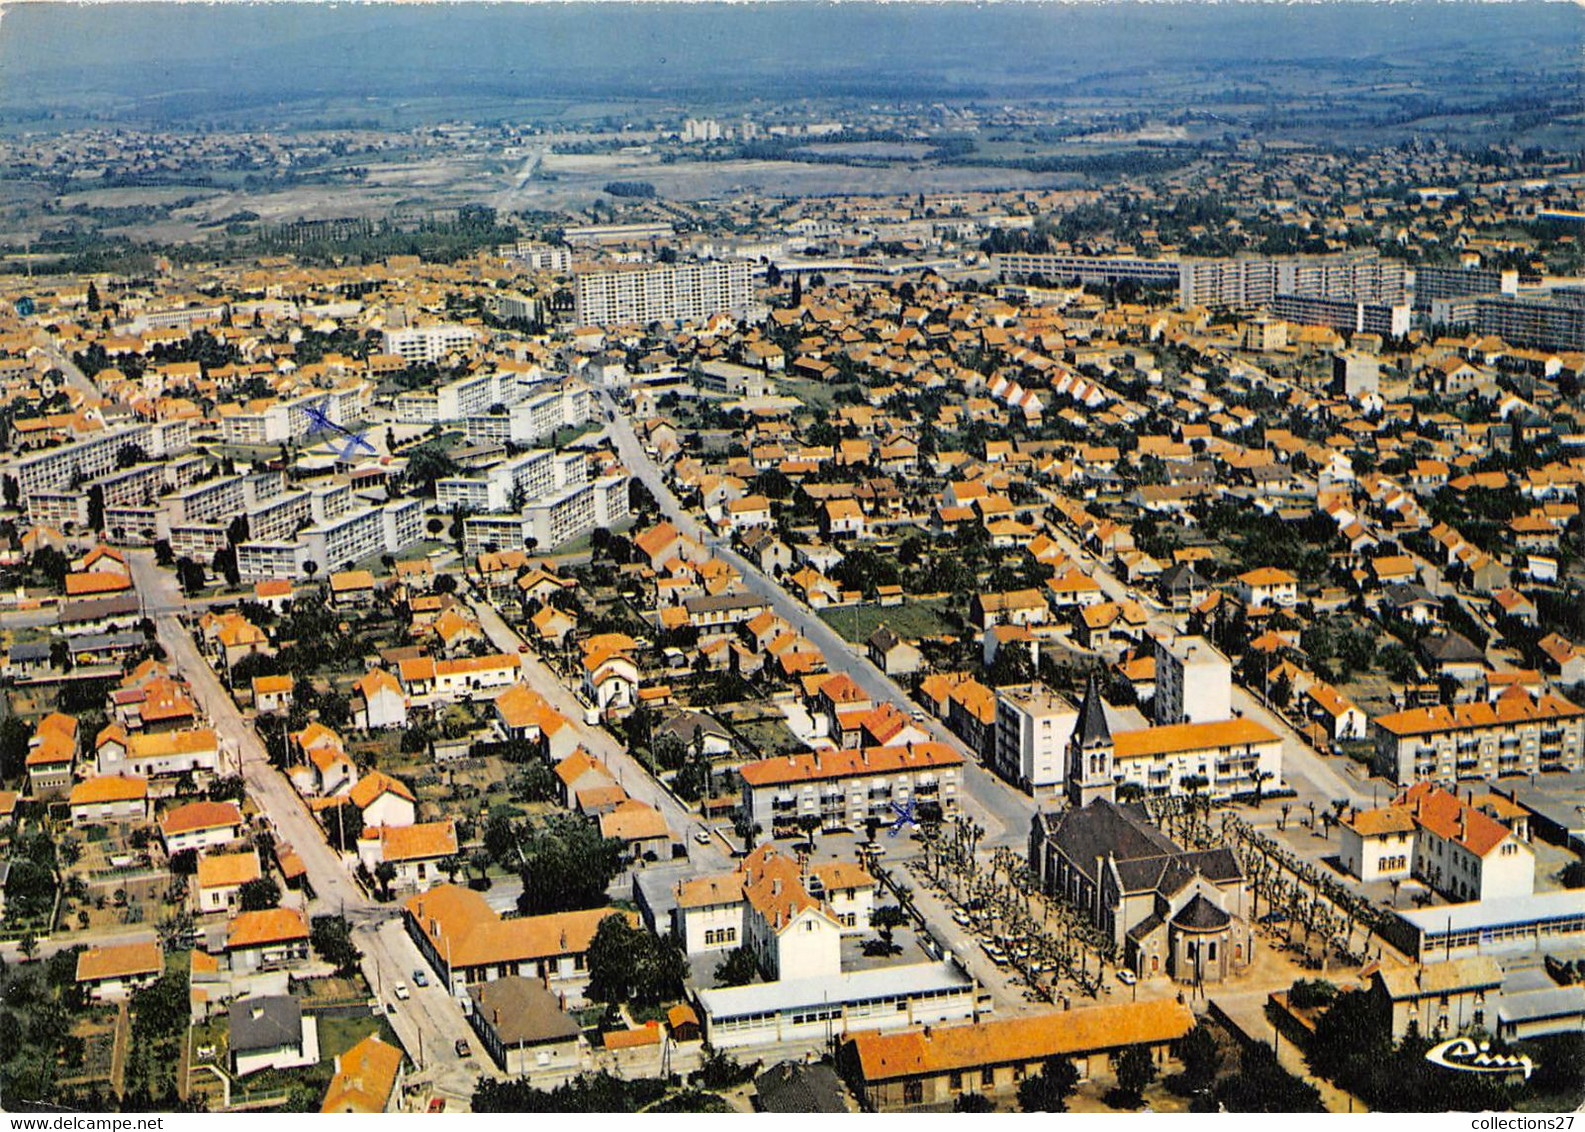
{"x": 402, "y": 992}
{"x": 1126, "y": 977}
{"x": 702, "y": 836}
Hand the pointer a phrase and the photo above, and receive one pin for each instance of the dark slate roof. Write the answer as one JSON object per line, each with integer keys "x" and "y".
{"x": 266, "y": 1022}
{"x": 522, "y": 1012}
{"x": 1452, "y": 648}
{"x": 792, "y": 1086}
{"x": 93, "y": 608}
{"x": 1092, "y": 727}
{"x": 686, "y": 723}
{"x": 884, "y": 639}
{"x": 1104, "y": 829}
{"x": 1200, "y": 914}
{"x": 1403, "y": 594}
{"x": 1143, "y": 929}
{"x": 29, "y": 650}
{"x": 1181, "y": 576}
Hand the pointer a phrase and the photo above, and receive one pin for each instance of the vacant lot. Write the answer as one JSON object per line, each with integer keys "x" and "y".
{"x": 911, "y": 620}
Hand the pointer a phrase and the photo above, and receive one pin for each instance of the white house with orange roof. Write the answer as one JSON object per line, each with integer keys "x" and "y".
{"x": 384, "y": 800}
{"x": 415, "y": 851}
{"x": 1267, "y": 585}
{"x": 1436, "y": 837}
{"x": 383, "y": 702}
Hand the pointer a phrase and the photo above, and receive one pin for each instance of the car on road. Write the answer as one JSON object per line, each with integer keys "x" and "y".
{"x": 437, "y": 1104}
{"x": 402, "y": 992}
{"x": 390, "y": 1008}
{"x": 419, "y": 978}
{"x": 522, "y": 646}
{"x": 463, "y": 1048}
{"x": 702, "y": 836}
{"x": 1126, "y": 977}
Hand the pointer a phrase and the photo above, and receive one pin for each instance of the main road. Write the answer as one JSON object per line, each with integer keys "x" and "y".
{"x": 1001, "y": 810}
{"x": 430, "y": 1022}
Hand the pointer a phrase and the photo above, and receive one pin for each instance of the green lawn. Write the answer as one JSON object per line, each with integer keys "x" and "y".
{"x": 911, "y": 620}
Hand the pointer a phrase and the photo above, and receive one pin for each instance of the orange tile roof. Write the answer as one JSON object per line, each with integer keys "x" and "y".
{"x": 418, "y": 842}
{"x": 461, "y": 924}
{"x": 1451, "y": 819}
{"x": 820, "y": 766}
{"x": 371, "y": 786}
{"x": 272, "y": 925}
{"x": 200, "y": 815}
{"x": 365, "y": 1077}
{"x": 109, "y": 788}
{"x": 1027, "y": 1039}
{"x": 118, "y": 961}
{"x": 633, "y": 820}
{"x": 1179, "y": 737}
{"x": 1507, "y": 709}
{"x": 227, "y": 870}
{"x": 646, "y": 1035}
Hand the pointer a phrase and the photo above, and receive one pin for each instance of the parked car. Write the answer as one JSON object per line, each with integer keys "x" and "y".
{"x": 702, "y": 837}
{"x": 463, "y": 1048}
{"x": 419, "y": 978}
{"x": 402, "y": 992}
{"x": 1126, "y": 977}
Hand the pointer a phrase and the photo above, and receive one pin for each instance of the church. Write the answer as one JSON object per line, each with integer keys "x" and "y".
{"x": 1170, "y": 911}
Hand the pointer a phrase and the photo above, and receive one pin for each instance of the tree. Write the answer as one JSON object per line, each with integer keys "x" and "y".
{"x": 737, "y": 969}
{"x": 258, "y": 894}
{"x": 13, "y": 491}
{"x": 190, "y": 575}
{"x": 14, "y": 736}
{"x": 1201, "y": 1057}
{"x": 385, "y": 873}
{"x": 1011, "y": 666}
{"x": 566, "y": 866}
{"x": 628, "y": 964}
{"x": 1136, "y": 1069}
{"x": 1049, "y": 1090}
{"x": 973, "y": 1102}
{"x": 887, "y": 919}
{"x": 331, "y": 938}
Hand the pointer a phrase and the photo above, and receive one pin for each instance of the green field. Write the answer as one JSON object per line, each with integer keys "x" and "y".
{"x": 911, "y": 620}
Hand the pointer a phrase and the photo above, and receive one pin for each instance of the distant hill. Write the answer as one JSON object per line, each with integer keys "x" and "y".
{"x": 178, "y": 63}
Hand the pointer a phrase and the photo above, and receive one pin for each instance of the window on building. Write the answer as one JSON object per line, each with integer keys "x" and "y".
{"x": 987, "y": 1078}
{"x": 955, "y": 1082}
{"x": 913, "y": 1092}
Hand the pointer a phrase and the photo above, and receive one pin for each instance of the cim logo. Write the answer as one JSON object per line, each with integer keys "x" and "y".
{"x": 1466, "y": 1056}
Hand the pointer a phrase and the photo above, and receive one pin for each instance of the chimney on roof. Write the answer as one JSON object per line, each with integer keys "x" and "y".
{"x": 564, "y": 939}
{"x": 495, "y": 1016}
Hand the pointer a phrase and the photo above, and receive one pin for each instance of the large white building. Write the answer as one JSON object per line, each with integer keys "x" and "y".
{"x": 55, "y": 469}
{"x": 661, "y": 292}
{"x": 418, "y": 345}
{"x": 1194, "y": 682}
{"x": 845, "y": 787}
{"x": 1033, "y": 727}
{"x": 1436, "y": 837}
{"x": 1512, "y": 735}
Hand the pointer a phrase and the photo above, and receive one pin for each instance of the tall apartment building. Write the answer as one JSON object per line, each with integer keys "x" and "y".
{"x": 289, "y": 421}
{"x": 1554, "y": 323}
{"x": 1245, "y": 282}
{"x": 514, "y": 482}
{"x": 1092, "y": 269}
{"x": 1033, "y": 726}
{"x": 1347, "y": 315}
{"x": 535, "y": 419}
{"x": 335, "y": 542}
{"x": 1194, "y": 682}
{"x": 1515, "y": 734}
{"x": 81, "y": 461}
{"x": 1433, "y": 283}
{"x": 661, "y": 292}
{"x": 419, "y": 345}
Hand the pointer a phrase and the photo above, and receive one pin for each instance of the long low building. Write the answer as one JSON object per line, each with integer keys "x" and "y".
{"x": 822, "y": 1008}
{"x": 1546, "y": 921}
{"x": 934, "y": 1066}
{"x": 844, "y": 787}
{"x": 467, "y": 943}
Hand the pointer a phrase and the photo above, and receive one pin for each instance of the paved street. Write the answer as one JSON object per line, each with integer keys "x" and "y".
{"x": 1003, "y": 811}
{"x": 630, "y": 773}
{"x": 431, "y": 1017}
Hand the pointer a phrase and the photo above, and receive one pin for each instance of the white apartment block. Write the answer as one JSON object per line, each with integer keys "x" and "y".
{"x": 1033, "y": 727}
{"x": 1247, "y": 282}
{"x": 335, "y": 542}
{"x": 55, "y": 469}
{"x": 1514, "y": 734}
{"x": 539, "y": 257}
{"x": 534, "y": 420}
{"x": 418, "y": 345}
{"x": 662, "y": 292}
{"x": 845, "y": 787}
{"x": 1194, "y": 682}
{"x": 513, "y": 483}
